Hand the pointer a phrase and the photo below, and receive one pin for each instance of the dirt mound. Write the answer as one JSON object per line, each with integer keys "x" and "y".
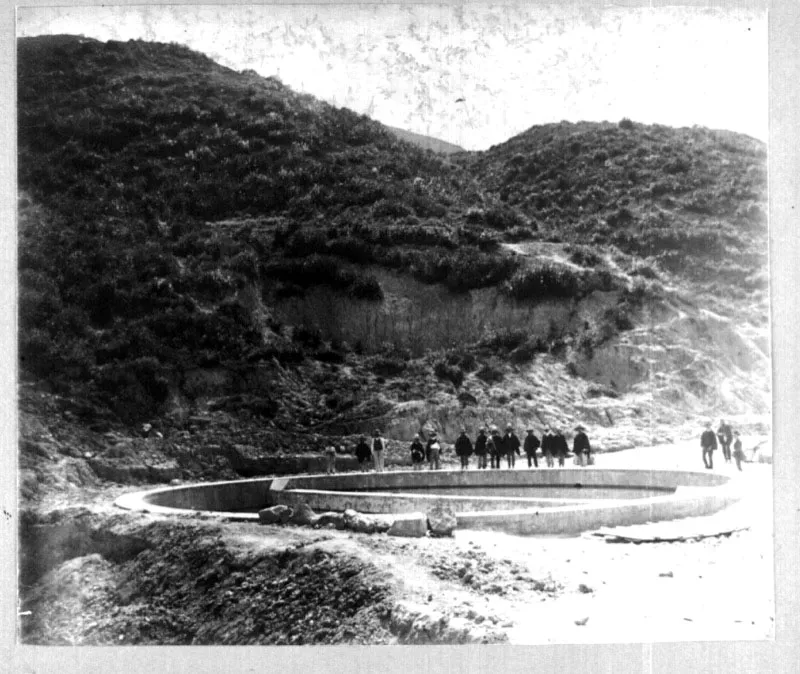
{"x": 190, "y": 586}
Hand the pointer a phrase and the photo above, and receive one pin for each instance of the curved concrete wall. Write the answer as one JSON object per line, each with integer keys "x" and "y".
{"x": 675, "y": 494}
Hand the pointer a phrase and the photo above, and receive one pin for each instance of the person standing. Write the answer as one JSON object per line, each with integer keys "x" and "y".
{"x": 330, "y": 459}
{"x": 547, "y": 446}
{"x": 417, "y": 452}
{"x": 496, "y": 447}
{"x": 480, "y": 448}
{"x": 738, "y": 452}
{"x": 530, "y": 447}
{"x": 511, "y": 444}
{"x": 363, "y": 453}
{"x": 432, "y": 451}
{"x": 708, "y": 442}
{"x": 464, "y": 449}
{"x": 581, "y": 446}
{"x": 491, "y": 449}
{"x": 560, "y": 447}
{"x": 378, "y": 447}
{"x": 725, "y": 435}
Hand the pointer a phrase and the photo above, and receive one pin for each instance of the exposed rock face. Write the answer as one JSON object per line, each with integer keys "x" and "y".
{"x": 442, "y": 522}
{"x": 414, "y": 526}
{"x": 278, "y": 514}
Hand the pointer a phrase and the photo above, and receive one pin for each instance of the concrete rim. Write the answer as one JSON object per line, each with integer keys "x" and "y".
{"x": 690, "y": 494}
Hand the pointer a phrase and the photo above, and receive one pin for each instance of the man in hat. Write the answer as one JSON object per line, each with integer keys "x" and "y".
{"x": 530, "y": 447}
{"x": 363, "y": 452}
{"x": 480, "y": 448}
{"x": 463, "y": 449}
{"x": 581, "y": 446}
{"x": 432, "y": 451}
{"x": 708, "y": 443}
{"x": 511, "y": 445}
{"x": 378, "y": 446}
{"x": 417, "y": 452}
{"x": 547, "y": 446}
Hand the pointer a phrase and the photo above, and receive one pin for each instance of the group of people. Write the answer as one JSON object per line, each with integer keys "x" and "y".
{"x": 490, "y": 448}
{"x": 490, "y": 443}
{"x": 724, "y": 438}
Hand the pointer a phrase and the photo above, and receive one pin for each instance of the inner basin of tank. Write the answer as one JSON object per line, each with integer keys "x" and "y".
{"x": 543, "y": 501}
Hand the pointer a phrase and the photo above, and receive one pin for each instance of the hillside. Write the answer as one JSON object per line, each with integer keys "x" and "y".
{"x": 426, "y": 142}
{"x": 197, "y": 243}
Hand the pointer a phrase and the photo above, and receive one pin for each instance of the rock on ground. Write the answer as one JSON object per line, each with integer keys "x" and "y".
{"x": 303, "y": 514}
{"x": 364, "y": 524}
{"x": 442, "y": 522}
{"x": 414, "y": 526}
{"x": 331, "y": 519}
{"x": 278, "y": 514}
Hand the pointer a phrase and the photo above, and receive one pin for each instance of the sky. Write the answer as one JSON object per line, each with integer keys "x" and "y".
{"x": 474, "y": 75}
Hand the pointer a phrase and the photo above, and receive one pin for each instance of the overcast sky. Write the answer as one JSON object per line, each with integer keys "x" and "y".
{"x": 513, "y": 66}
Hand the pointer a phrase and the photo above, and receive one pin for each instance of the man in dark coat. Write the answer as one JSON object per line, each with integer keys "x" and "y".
{"x": 363, "y": 452}
{"x": 531, "y": 445}
{"x": 417, "y": 452}
{"x": 725, "y": 435}
{"x": 547, "y": 446}
{"x": 511, "y": 444}
{"x": 708, "y": 442}
{"x": 496, "y": 447}
{"x": 560, "y": 447}
{"x": 463, "y": 449}
{"x": 581, "y": 446}
{"x": 480, "y": 448}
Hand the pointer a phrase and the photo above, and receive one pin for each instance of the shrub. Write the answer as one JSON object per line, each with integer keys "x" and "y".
{"x": 584, "y": 256}
{"x": 366, "y": 287}
{"x": 451, "y": 373}
{"x": 135, "y": 390}
{"x": 490, "y": 373}
{"x": 463, "y": 359}
{"x": 504, "y": 340}
{"x": 527, "y": 351}
{"x": 388, "y": 366}
{"x": 625, "y": 123}
{"x": 542, "y": 281}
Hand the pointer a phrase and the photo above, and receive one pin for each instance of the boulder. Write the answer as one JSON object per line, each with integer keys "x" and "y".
{"x": 278, "y": 514}
{"x": 331, "y": 520}
{"x": 414, "y": 526}
{"x": 303, "y": 514}
{"x": 356, "y": 521}
{"x": 441, "y": 522}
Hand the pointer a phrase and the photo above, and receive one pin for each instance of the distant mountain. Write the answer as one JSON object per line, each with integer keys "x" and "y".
{"x": 426, "y": 142}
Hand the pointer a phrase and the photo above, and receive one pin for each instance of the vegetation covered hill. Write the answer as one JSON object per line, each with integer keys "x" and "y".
{"x": 197, "y": 240}
{"x": 691, "y": 199}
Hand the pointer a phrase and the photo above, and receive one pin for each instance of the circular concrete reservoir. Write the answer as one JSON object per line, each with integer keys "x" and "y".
{"x": 527, "y": 502}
